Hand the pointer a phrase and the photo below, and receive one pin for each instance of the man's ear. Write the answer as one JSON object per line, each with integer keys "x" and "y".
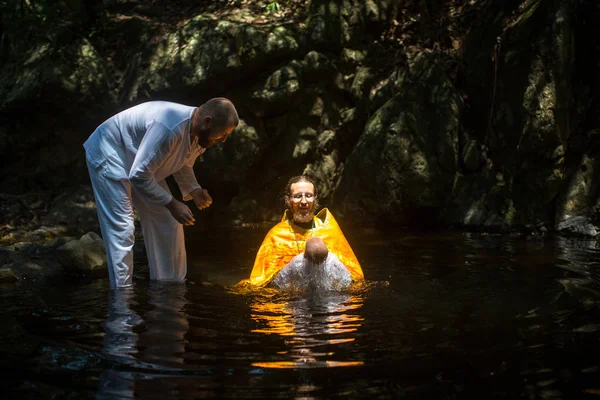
{"x": 208, "y": 121}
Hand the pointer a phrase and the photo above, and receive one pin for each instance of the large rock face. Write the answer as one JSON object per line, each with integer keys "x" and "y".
{"x": 404, "y": 163}
{"x": 518, "y": 140}
{"x": 398, "y": 117}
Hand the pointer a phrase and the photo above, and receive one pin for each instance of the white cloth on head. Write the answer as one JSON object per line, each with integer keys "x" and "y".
{"x": 301, "y": 275}
{"x": 129, "y": 156}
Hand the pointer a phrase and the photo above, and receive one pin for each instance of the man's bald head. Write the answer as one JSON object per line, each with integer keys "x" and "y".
{"x": 316, "y": 251}
{"x": 214, "y": 121}
{"x": 222, "y": 111}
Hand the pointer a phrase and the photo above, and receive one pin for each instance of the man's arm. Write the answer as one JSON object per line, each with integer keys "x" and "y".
{"x": 188, "y": 185}
{"x": 181, "y": 212}
{"x": 156, "y": 146}
{"x": 190, "y": 189}
{"x": 186, "y": 180}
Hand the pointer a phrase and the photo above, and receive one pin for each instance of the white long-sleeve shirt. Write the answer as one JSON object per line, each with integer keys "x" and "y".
{"x": 301, "y": 275}
{"x": 144, "y": 144}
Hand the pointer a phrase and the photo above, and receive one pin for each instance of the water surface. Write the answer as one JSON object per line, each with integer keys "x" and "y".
{"x": 443, "y": 315}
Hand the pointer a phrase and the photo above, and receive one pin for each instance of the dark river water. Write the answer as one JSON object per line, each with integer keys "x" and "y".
{"x": 443, "y": 315}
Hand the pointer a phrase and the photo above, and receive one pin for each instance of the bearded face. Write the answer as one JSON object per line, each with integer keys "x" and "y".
{"x": 302, "y": 201}
{"x": 203, "y": 138}
{"x": 209, "y": 136}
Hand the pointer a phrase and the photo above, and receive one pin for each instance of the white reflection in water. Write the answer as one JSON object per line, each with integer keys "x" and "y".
{"x": 163, "y": 340}
{"x": 159, "y": 345}
{"x": 120, "y": 344}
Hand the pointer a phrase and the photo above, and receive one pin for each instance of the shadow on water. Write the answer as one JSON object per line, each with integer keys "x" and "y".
{"x": 442, "y": 316}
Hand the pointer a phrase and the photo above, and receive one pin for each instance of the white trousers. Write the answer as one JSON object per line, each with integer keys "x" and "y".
{"x": 163, "y": 235}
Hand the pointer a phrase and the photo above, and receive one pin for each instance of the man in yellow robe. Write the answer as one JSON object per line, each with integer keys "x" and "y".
{"x": 288, "y": 238}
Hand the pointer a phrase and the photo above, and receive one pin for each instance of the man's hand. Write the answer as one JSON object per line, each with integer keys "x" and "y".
{"x": 201, "y": 198}
{"x": 181, "y": 212}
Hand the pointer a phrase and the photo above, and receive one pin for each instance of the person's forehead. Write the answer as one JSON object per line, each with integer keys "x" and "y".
{"x": 302, "y": 187}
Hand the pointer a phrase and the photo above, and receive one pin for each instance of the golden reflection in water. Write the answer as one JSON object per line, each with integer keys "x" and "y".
{"x": 311, "y": 325}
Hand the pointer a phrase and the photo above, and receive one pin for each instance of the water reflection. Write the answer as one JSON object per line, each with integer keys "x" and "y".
{"x": 463, "y": 316}
{"x": 314, "y": 327}
{"x": 120, "y": 344}
{"x": 157, "y": 348}
{"x": 163, "y": 340}
{"x": 574, "y": 255}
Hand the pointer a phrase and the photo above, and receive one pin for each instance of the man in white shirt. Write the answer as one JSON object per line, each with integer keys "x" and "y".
{"x": 316, "y": 269}
{"x": 129, "y": 156}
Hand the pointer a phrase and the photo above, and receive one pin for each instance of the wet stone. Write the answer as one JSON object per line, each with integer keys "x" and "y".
{"x": 7, "y": 275}
{"x": 56, "y": 243}
{"x": 579, "y": 225}
{"x": 6, "y": 254}
{"x": 84, "y": 255}
{"x": 14, "y": 236}
{"x": 46, "y": 233}
{"x": 24, "y": 247}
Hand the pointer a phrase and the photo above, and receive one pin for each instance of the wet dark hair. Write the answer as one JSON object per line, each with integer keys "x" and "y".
{"x": 316, "y": 250}
{"x": 300, "y": 178}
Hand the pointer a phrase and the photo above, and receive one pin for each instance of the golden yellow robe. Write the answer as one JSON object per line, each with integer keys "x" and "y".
{"x": 286, "y": 240}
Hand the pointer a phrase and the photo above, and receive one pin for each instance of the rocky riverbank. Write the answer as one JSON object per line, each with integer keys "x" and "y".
{"x": 45, "y": 235}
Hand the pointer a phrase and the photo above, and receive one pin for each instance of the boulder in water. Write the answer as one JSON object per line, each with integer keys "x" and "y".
{"x": 85, "y": 255}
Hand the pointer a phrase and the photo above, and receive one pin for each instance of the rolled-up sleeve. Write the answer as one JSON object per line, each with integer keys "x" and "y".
{"x": 154, "y": 149}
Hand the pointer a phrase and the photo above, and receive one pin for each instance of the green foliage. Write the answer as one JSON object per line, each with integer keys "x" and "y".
{"x": 273, "y": 7}
{"x": 276, "y": 6}
{"x": 29, "y": 24}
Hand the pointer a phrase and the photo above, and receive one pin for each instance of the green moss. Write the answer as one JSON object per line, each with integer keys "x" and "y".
{"x": 509, "y": 212}
{"x": 528, "y": 11}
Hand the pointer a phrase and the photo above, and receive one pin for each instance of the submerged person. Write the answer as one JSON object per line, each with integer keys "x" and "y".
{"x": 316, "y": 269}
{"x": 129, "y": 156}
{"x": 287, "y": 239}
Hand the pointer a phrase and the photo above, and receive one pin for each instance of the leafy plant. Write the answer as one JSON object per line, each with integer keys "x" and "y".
{"x": 273, "y": 7}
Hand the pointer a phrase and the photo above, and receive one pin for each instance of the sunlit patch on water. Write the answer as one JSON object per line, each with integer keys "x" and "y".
{"x": 313, "y": 326}
{"x": 307, "y": 361}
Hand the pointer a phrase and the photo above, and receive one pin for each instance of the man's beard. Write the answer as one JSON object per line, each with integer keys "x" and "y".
{"x": 304, "y": 216}
{"x": 203, "y": 140}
